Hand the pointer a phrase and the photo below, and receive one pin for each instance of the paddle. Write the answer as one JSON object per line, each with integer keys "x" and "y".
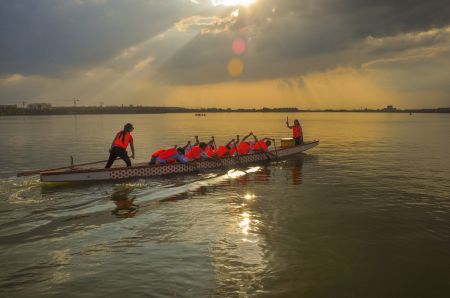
{"x": 237, "y": 152}
{"x": 34, "y": 172}
{"x": 215, "y": 147}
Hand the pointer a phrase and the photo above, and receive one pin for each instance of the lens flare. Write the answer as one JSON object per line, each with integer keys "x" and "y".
{"x": 238, "y": 46}
{"x": 235, "y": 67}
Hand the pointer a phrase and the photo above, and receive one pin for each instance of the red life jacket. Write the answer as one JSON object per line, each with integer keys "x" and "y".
{"x": 297, "y": 131}
{"x": 157, "y": 153}
{"x": 260, "y": 146}
{"x": 232, "y": 150}
{"x": 194, "y": 153}
{"x": 167, "y": 153}
{"x": 243, "y": 147}
{"x": 209, "y": 150}
{"x": 221, "y": 151}
{"x": 122, "y": 142}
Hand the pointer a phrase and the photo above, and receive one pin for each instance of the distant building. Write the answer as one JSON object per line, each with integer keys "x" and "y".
{"x": 390, "y": 108}
{"x": 39, "y": 106}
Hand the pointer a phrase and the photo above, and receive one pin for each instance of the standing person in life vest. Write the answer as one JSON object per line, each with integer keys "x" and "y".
{"x": 297, "y": 131}
{"x": 119, "y": 146}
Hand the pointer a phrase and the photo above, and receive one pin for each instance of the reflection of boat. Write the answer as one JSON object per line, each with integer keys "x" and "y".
{"x": 145, "y": 170}
{"x": 125, "y": 206}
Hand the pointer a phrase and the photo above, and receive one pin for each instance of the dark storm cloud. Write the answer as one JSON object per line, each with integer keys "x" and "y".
{"x": 48, "y": 37}
{"x": 286, "y": 38}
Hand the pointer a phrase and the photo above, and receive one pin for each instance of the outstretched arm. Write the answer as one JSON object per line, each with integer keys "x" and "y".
{"x": 212, "y": 142}
{"x": 230, "y": 142}
{"x": 187, "y": 145}
{"x": 245, "y": 138}
{"x": 132, "y": 148}
{"x": 287, "y": 123}
{"x": 255, "y": 138}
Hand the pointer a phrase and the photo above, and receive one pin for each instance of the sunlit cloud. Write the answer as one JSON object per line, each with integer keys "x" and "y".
{"x": 307, "y": 54}
{"x": 233, "y": 2}
{"x": 14, "y": 78}
{"x": 407, "y": 41}
{"x": 211, "y": 24}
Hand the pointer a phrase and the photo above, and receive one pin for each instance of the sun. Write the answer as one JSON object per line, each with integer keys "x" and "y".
{"x": 233, "y": 2}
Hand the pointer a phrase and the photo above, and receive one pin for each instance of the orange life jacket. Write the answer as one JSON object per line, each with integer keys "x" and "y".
{"x": 209, "y": 150}
{"x": 243, "y": 147}
{"x": 157, "y": 153}
{"x": 121, "y": 141}
{"x": 297, "y": 131}
{"x": 167, "y": 153}
{"x": 232, "y": 150}
{"x": 221, "y": 151}
{"x": 194, "y": 153}
{"x": 260, "y": 146}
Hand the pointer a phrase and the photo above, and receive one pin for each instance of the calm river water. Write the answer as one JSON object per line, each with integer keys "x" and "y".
{"x": 364, "y": 214}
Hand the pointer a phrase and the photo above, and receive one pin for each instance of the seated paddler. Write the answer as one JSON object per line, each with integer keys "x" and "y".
{"x": 162, "y": 156}
{"x": 198, "y": 152}
{"x": 224, "y": 150}
{"x": 244, "y": 146}
{"x": 261, "y": 145}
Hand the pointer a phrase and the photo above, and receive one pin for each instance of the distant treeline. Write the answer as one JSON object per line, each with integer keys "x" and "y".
{"x": 13, "y": 110}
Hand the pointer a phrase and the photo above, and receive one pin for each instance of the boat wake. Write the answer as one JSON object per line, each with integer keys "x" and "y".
{"x": 57, "y": 211}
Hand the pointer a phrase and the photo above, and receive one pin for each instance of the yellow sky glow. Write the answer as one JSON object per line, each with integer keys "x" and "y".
{"x": 334, "y": 89}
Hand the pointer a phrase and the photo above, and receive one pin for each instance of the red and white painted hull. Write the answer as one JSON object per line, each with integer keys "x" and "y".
{"x": 145, "y": 170}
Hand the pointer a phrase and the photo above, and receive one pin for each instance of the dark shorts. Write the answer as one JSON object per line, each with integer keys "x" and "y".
{"x": 298, "y": 140}
{"x": 118, "y": 152}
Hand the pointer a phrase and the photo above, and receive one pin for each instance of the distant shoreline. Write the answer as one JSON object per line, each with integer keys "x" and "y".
{"x": 16, "y": 111}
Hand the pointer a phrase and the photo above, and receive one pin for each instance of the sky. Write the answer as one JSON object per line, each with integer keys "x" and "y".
{"x": 310, "y": 54}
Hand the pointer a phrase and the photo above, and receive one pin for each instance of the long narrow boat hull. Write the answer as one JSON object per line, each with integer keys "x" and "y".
{"x": 146, "y": 171}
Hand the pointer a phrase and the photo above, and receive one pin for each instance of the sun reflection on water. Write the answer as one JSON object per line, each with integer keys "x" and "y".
{"x": 245, "y": 223}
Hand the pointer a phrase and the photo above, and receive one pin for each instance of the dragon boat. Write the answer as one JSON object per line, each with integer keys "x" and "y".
{"x": 144, "y": 170}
